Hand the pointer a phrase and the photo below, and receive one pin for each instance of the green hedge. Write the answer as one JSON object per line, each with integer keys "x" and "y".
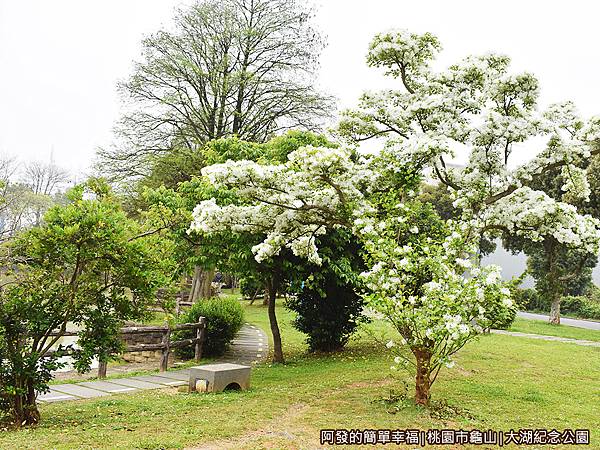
{"x": 528, "y": 299}
{"x": 224, "y": 318}
{"x": 581, "y": 307}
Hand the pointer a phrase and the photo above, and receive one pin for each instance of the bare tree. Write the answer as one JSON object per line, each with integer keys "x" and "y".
{"x": 232, "y": 67}
{"x": 43, "y": 179}
{"x": 8, "y": 168}
{"x": 26, "y": 192}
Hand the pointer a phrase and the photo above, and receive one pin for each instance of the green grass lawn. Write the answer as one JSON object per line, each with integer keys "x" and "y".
{"x": 545, "y": 328}
{"x": 501, "y": 382}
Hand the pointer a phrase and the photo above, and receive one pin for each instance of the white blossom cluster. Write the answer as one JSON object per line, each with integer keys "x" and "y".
{"x": 477, "y": 105}
{"x": 291, "y": 203}
{"x": 576, "y": 186}
{"x": 533, "y": 214}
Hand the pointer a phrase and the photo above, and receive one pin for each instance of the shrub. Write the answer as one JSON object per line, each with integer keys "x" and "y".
{"x": 529, "y": 300}
{"x": 591, "y": 310}
{"x": 572, "y": 304}
{"x": 224, "y": 318}
{"x": 327, "y": 304}
{"x": 329, "y": 317}
{"x": 502, "y": 317}
{"x": 581, "y": 307}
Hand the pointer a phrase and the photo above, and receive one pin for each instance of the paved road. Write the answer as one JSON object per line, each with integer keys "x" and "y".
{"x": 588, "y": 324}
{"x": 250, "y": 346}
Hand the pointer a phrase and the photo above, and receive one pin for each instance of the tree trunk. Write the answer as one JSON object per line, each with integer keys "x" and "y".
{"x": 201, "y": 284}
{"x": 193, "y": 295}
{"x": 277, "y": 348}
{"x": 554, "y": 287}
{"x": 33, "y": 414}
{"x": 266, "y": 295}
{"x": 25, "y": 410}
{"x": 555, "y": 310}
{"x": 422, "y": 379}
{"x": 254, "y": 296}
{"x": 206, "y": 285}
{"x": 102, "y": 366}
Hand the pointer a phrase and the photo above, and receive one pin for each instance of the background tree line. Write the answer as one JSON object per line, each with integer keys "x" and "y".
{"x": 27, "y": 190}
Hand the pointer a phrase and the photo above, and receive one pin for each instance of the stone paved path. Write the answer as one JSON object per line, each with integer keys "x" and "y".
{"x": 549, "y": 338}
{"x": 250, "y": 346}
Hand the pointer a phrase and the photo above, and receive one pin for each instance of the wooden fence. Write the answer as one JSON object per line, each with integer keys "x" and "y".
{"x": 165, "y": 345}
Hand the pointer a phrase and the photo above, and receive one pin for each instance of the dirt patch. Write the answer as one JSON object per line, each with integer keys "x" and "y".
{"x": 463, "y": 372}
{"x": 277, "y": 431}
{"x": 284, "y": 431}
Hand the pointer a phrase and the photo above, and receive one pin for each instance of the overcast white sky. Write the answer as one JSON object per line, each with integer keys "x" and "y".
{"x": 60, "y": 59}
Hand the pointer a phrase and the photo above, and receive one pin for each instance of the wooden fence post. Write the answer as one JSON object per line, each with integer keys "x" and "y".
{"x": 102, "y": 366}
{"x": 200, "y": 333}
{"x": 166, "y": 340}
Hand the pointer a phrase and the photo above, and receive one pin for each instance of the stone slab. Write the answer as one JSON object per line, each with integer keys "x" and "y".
{"x": 159, "y": 380}
{"x": 179, "y": 375}
{"x": 107, "y": 386}
{"x": 54, "y": 396}
{"x": 139, "y": 384}
{"x": 77, "y": 390}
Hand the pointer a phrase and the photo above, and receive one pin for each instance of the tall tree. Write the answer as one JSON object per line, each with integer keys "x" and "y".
{"x": 559, "y": 270}
{"x": 242, "y": 68}
{"x": 230, "y": 67}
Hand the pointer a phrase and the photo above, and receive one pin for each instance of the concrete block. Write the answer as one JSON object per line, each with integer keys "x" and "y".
{"x": 219, "y": 377}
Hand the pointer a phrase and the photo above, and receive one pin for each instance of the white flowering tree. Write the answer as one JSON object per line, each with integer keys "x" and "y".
{"x": 425, "y": 281}
{"x": 477, "y": 106}
{"x": 423, "y": 276}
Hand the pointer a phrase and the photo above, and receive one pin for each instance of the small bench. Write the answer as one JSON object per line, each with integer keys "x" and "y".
{"x": 220, "y": 377}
